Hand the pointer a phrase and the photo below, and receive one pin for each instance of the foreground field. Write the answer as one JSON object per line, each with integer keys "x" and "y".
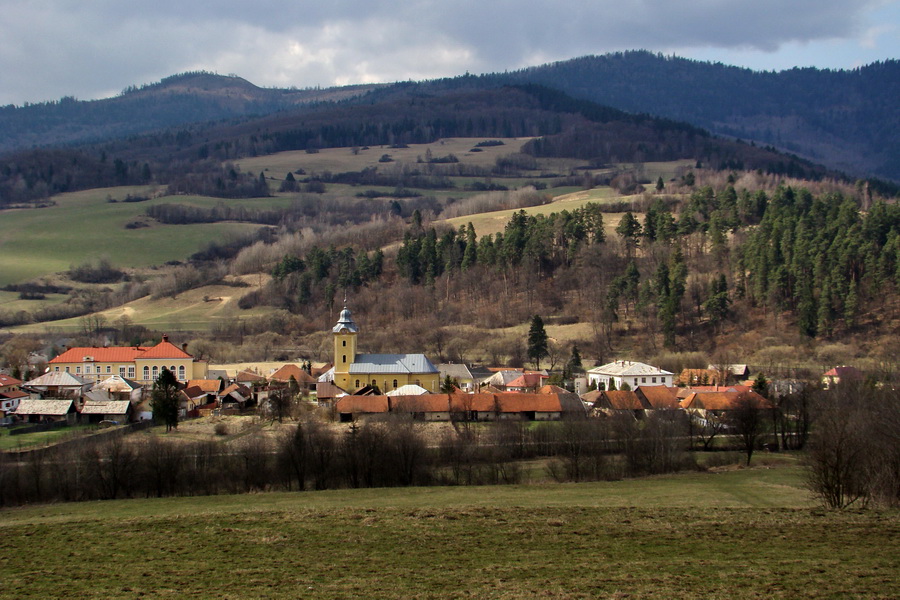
{"x": 737, "y": 534}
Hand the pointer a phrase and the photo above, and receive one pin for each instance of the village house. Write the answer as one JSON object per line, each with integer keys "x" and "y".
{"x": 627, "y": 372}
{"x": 9, "y": 384}
{"x": 46, "y": 411}
{"x": 384, "y": 371}
{"x": 138, "y": 363}
{"x": 460, "y": 375}
{"x": 838, "y": 374}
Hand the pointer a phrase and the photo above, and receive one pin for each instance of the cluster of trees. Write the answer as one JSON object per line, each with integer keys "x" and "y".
{"x": 821, "y": 258}
{"x": 313, "y": 455}
{"x": 222, "y": 182}
{"x": 543, "y": 243}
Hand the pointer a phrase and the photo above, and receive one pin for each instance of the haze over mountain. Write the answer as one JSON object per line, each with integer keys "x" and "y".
{"x": 847, "y": 120}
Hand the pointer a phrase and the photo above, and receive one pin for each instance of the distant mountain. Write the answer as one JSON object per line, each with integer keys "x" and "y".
{"x": 175, "y": 101}
{"x": 847, "y": 120}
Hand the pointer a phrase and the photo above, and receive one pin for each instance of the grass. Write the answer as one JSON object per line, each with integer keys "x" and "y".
{"x": 83, "y": 226}
{"x": 740, "y": 534}
{"x": 41, "y": 438}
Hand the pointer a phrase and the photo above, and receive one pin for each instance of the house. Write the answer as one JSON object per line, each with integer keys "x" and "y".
{"x": 327, "y": 392}
{"x": 387, "y": 372}
{"x": 460, "y": 374}
{"x": 618, "y": 401}
{"x": 282, "y": 377}
{"x": 138, "y": 363}
{"x": 839, "y": 374}
{"x": 46, "y": 411}
{"x": 120, "y": 411}
{"x": 630, "y": 373}
{"x": 9, "y": 384}
{"x": 9, "y": 401}
{"x": 236, "y": 397}
{"x": 120, "y": 388}
{"x": 658, "y": 397}
{"x": 717, "y": 403}
{"x": 209, "y": 386}
{"x": 59, "y": 384}
{"x": 526, "y": 382}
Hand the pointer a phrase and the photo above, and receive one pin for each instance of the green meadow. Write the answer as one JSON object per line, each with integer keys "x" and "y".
{"x": 748, "y": 533}
{"x": 85, "y": 226}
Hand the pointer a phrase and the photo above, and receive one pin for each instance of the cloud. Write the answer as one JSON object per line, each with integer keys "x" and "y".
{"x": 60, "y": 47}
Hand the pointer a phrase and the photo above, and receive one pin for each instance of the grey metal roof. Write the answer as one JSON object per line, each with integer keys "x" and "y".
{"x": 392, "y": 363}
{"x": 345, "y": 322}
{"x": 455, "y": 371}
{"x": 408, "y": 390}
{"x": 57, "y": 379}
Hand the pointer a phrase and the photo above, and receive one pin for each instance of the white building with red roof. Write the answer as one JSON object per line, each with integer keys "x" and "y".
{"x": 137, "y": 363}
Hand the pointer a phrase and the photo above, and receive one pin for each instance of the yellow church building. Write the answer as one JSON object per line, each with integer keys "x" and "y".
{"x": 384, "y": 371}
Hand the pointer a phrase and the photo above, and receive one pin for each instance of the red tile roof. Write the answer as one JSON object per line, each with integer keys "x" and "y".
{"x": 6, "y": 380}
{"x": 164, "y": 349}
{"x": 658, "y": 396}
{"x": 210, "y": 386}
{"x": 284, "y": 374}
{"x": 723, "y": 400}
{"x": 620, "y": 400}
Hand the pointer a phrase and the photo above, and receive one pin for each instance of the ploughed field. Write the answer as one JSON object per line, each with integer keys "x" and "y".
{"x": 749, "y": 533}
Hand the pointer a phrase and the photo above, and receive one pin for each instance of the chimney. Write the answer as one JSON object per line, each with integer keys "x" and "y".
{"x": 184, "y": 347}
{"x": 165, "y": 337}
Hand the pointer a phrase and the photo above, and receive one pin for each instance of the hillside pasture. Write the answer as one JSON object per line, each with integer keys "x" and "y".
{"x": 739, "y": 534}
{"x": 84, "y": 226}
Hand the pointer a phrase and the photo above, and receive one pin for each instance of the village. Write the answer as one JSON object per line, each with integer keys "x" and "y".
{"x": 112, "y": 387}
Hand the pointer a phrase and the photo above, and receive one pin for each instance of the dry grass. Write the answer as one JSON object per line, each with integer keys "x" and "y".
{"x": 687, "y": 536}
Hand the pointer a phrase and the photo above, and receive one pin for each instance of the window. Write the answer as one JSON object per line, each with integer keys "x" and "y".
{"x": 635, "y": 381}
{"x": 643, "y": 380}
{"x": 395, "y": 384}
{"x": 87, "y": 369}
{"x": 344, "y": 358}
{"x": 146, "y": 373}
{"x": 172, "y": 368}
{"x": 344, "y": 343}
{"x": 121, "y": 371}
{"x": 357, "y": 384}
{"x": 67, "y": 369}
{"x": 78, "y": 370}
{"x": 57, "y": 369}
{"x": 108, "y": 369}
{"x": 155, "y": 371}
{"x": 130, "y": 372}
{"x": 181, "y": 372}
{"x": 653, "y": 379}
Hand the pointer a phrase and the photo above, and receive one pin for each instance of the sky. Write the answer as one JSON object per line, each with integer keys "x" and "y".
{"x": 96, "y": 48}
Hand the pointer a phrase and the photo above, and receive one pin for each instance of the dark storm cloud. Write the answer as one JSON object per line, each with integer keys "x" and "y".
{"x": 88, "y": 49}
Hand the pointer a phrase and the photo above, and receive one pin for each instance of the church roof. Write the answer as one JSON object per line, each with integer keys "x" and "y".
{"x": 391, "y": 363}
{"x": 345, "y": 322}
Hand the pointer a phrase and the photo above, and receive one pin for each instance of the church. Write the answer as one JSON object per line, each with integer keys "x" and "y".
{"x": 385, "y": 371}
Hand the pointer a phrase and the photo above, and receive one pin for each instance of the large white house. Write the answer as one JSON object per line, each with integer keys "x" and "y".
{"x": 635, "y": 374}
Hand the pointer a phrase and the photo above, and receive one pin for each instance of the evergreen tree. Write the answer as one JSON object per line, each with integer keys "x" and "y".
{"x": 537, "y": 341}
{"x": 164, "y": 399}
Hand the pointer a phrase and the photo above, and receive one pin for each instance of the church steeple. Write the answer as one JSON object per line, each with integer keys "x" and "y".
{"x": 344, "y": 347}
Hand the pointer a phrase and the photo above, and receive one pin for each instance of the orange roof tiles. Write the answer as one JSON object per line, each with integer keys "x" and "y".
{"x": 164, "y": 349}
{"x": 210, "y": 386}
{"x": 658, "y": 396}
{"x": 287, "y": 371}
{"x": 620, "y": 400}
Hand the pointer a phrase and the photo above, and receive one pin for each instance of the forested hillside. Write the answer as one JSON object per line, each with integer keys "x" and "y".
{"x": 848, "y": 120}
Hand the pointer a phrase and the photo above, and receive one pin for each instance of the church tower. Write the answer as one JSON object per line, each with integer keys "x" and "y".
{"x": 344, "y": 348}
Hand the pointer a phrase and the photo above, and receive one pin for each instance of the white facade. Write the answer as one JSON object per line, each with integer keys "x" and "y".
{"x": 628, "y": 372}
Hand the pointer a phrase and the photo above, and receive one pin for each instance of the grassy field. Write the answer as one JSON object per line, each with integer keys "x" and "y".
{"x": 736, "y": 534}
{"x": 84, "y": 226}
